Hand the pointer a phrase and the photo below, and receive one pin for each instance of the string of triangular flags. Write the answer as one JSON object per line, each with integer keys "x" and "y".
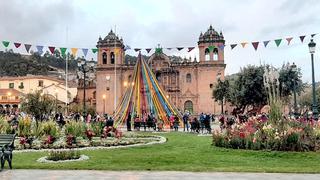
{"x": 74, "y": 51}
{"x": 255, "y": 44}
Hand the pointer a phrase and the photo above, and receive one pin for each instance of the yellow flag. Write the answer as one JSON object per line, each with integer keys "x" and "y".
{"x": 117, "y": 51}
{"x": 74, "y": 51}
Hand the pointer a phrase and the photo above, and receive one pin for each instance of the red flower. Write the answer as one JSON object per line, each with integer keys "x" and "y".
{"x": 23, "y": 140}
{"x": 50, "y": 139}
{"x": 89, "y": 133}
{"x": 242, "y": 135}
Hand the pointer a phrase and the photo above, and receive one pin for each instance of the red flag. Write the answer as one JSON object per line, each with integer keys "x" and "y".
{"x": 17, "y": 45}
{"x": 255, "y": 45}
{"x": 190, "y": 49}
{"x": 289, "y": 40}
{"x": 302, "y": 38}
{"x": 52, "y": 48}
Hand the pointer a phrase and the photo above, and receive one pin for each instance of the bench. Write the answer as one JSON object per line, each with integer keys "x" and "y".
{"x": 6, "y": 147}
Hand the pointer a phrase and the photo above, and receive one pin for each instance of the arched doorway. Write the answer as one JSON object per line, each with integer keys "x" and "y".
{"x": 188, "y": 106}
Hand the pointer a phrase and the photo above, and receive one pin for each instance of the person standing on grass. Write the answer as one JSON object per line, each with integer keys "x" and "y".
{"x": 176, "y": 122}
{"x": 185, "y": 119}
{"x": 202, "y": 118}
{"x": 129, "y": 122}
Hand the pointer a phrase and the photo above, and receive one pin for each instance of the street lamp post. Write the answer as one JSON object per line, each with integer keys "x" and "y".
{"x": 85, "y": 67}
{"x": 312, "y": 49}
{"x": 294, "y": 70}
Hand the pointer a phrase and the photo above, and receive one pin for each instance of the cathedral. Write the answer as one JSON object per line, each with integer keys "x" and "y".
{"x": 188, "y": 84}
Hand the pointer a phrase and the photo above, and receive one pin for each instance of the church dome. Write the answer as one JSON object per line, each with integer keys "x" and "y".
{"x": 211, "y": 36}
{"x": 110, "y": 40}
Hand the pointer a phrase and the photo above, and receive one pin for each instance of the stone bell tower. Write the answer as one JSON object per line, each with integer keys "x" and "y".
{"x": 211, "y": 68}
{"x": 211, "y": 46}
{"x": 110, "y": 59}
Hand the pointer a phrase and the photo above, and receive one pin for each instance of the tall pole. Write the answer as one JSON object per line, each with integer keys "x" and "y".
{"x": 314, "y": 100}
{"x": 84, "y": 91}
{"x": 115, "y": 73}
{"x": 67, "y": 73}
{"x": 295, "y": 98}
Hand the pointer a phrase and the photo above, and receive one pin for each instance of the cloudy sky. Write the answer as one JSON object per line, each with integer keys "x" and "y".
{"x": 171, "y": 23}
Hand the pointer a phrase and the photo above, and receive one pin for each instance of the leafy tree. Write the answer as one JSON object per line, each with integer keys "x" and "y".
{"x": 221, "y": 92}
{"x": 290, "y": 80}
{"x": 248, "y": 89}
{"x": 38, "y": 105}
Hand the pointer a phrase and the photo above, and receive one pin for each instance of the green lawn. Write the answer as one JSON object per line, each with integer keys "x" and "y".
{"x": 182, "y": 152}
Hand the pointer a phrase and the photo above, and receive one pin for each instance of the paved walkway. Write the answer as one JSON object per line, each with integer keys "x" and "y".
{"x": 144, "y": 175}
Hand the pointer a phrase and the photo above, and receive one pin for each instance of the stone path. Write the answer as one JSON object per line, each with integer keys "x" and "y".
{"x": 144, "y": 175}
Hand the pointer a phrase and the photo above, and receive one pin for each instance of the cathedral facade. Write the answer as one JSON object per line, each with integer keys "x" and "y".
{"x": 188, "y": 84}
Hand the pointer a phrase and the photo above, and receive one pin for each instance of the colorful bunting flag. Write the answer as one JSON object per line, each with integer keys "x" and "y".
{"x": 190, "y": 49}
{"x": 289, "y": 40}
{"x": 302, "y": 38}
{"x": 180, "y": 48}
{"x": 63, "y": 51}
{"x": 148, "y": 50}
{"x": 278, "y": 42}
{"x": 85, "y": 52}
{"x": 137, "y": 49}
{"x": 127, "y": 47}
{"x": 5, "y": 43}
{"x": 27, "y": 46}
{"x": 17, "y": 45}
{"x": 211, "y": 48}
{"x": 265, "y": 43}
{"x": 255, "y": 45}
{"x": 94, "y": 50}
{"x": 117, "y": 51}
{"x": 169, "y": 49}
{"x": 221, "y": 47}
{"x": 39, "y": 49}
{"x": 233, "y": 46}
{"x": 51, "y": 49}
{"x": 312, "y": 35}
{"x": 74, "y": 51}
{"x": 244, "y": 44}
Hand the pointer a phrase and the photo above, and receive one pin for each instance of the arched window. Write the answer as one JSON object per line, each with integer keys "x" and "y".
{"x": 188, "y": 78}
{"x": 158, "y": 76}
{"x": 94, "y": 94}
{"x": 188, "y": 106}
{"x": 207, "y": 54}
{"x": 112, "y": 57}
{"x": 215, "y": 54}
{"x": 104, "y": 58}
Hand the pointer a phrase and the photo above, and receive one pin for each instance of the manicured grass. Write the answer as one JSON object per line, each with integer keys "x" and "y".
{"x": 182, "y": 152}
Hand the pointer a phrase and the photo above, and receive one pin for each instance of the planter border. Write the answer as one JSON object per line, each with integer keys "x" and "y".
{"x": 161, "y": 141}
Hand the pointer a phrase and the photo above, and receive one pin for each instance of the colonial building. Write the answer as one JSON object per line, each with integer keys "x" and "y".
{"x": 18, "y": 86}
{"x": 188, "y": 84}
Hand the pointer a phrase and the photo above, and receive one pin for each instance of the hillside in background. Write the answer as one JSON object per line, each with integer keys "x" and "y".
{"x": 15, "y": 64}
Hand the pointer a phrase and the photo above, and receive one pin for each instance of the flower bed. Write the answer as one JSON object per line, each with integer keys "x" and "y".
{"x": 48, "y": 135}
{"x": 258, "y": 134}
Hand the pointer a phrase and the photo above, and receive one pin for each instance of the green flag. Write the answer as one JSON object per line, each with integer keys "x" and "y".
{"x": 5, "y": 43}
{"x": 63, "y": 51}
{"x": 211, "y": 48}
{"x": 278, "y": 41}
{"x": 94, "y": 50}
